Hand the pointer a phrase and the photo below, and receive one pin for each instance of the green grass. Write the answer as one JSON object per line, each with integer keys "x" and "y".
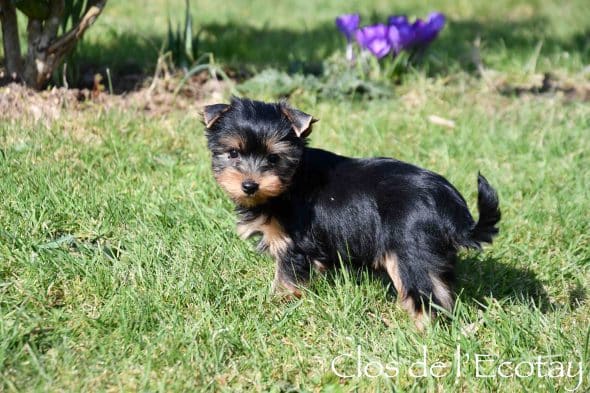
{"x": 120, "y": 268}
{"x": 255, "y": 34}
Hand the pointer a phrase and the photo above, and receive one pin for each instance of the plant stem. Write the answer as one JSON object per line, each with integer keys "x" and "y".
{"x": 46, "y": 51}
{"x": 10, "y": 39}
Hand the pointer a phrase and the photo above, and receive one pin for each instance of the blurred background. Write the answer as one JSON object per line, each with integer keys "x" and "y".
{"x": 243, "y": 38}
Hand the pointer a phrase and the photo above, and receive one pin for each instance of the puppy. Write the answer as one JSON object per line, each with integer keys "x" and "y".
{"x": 318, "y": 209}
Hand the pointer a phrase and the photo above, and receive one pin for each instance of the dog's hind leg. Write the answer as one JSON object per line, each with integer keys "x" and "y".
{"x": 420, "y": 283}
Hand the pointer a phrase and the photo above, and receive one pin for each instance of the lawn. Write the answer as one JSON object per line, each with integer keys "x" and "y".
{"x": 120, "y": 269}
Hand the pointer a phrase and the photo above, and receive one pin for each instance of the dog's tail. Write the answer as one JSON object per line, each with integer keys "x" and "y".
{"x": 484, "y": 230}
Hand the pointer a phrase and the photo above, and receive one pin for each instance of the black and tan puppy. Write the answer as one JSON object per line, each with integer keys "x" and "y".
{"x": 315, "y": 208}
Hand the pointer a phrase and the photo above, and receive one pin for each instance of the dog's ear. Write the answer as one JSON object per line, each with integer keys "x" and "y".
{"x": 212, "y": 113}
{"x": 300, "y": 121}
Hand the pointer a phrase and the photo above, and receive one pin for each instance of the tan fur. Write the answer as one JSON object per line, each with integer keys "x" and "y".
{"x": 274, "y": 146}
{"x": 273, "y": 234}
{"x": 270, "y": 186}
{"x": 249, "y": 228}
{"x": 231, "y": 180}
{"x": 421, "y": 320}
{"x": 233, "y": 142}
{"x": 442, "y": 292}
{"x": 391, "y": 264}
{"x": 209, "y": 121}
{"x": 277, "y": 241}
{"x": 319, "y": 267}
{"x": 282, "y": 287}
{"x": 275, "y": 237}
{"x": 302, "y": 128}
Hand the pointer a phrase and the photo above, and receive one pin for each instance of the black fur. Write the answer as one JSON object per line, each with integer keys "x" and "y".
{"x": 335, "y": 208}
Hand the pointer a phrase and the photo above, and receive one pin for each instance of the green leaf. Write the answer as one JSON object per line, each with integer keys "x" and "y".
{"x": 188, "y": 33}
{"x": 77, "y": 10}
{"x": 68, "y": 4}
{"x": 66, "y": 239}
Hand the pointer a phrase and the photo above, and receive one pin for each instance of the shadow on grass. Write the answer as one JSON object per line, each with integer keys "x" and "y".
{"x": 478, "y": 278}
{"x": 245, "y": 49}
{"x": 302, "y": 51}
{"x": 289, "y": 50}
{"x": 456, "y": 45}
{"x": 130, "y": 59}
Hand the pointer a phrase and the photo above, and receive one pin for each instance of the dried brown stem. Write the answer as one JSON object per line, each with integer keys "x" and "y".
{"x": 68, "y": 40}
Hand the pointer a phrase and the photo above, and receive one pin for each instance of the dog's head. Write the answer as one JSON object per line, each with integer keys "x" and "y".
{"x": 256, "y": 147}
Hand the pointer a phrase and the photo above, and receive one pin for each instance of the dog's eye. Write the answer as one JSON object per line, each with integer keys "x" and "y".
{"x": 233, "y": 153}
{"x": 273, "y": 158}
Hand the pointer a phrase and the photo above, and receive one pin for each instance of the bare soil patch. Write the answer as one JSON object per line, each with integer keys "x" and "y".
{"x": 157, "y": 96}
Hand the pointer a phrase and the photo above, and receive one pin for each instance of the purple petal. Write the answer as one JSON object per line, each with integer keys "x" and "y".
{"x": 404, "y": 37}
{"x": 394, "y": 38}
{"x": 436, "y": 21}
{"x": 398, "y": 20}
{"x": 418, "y": 25}
{"x": 426, "y": 32}
{"x": 375, "y": 39}
{"x": 417, "y": 29}
{"x": 380, "y": 48}
{"x": 348, "y": 24}
{"x": 372, "y": 32}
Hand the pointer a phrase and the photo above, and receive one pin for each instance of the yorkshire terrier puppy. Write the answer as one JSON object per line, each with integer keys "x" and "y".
{"x": 316, "y": 209}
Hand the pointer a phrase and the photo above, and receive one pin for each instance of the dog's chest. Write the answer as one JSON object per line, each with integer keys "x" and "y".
{"x": 274, "y": 236}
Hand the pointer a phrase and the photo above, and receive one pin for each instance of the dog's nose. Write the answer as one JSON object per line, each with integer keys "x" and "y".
{"x": 249, "y": 187}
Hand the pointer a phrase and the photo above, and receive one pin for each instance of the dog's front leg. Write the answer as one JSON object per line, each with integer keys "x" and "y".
{"x": 291, "y": 274}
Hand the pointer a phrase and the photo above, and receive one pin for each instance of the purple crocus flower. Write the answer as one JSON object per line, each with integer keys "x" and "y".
{"x": 426, "y": 32}
{"x": 394, "y": 38}
{"x": 375, "y": 39}
{"x": 404, "y": 35}
{"x": 398, "y": 20}
{"x": 401, "y": 33}
{"x": 348, "y": 24}
{"x": 436, "y": 22}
